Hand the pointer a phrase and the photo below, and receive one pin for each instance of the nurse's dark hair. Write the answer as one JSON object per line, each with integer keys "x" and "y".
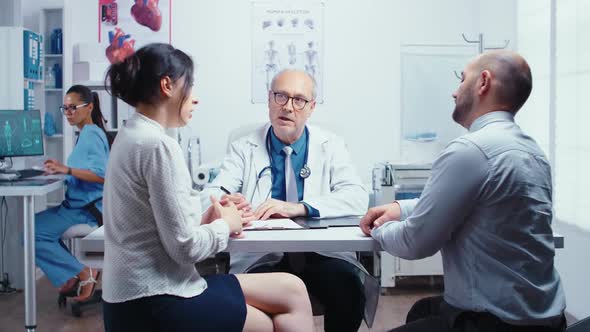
{"x": 137, "y": 79}
{"x": 91, "y": 97}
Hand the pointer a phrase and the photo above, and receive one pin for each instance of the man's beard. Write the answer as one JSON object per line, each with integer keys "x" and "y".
{"x": 463, "y": 108}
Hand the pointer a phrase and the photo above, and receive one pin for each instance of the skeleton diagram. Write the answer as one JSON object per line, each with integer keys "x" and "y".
{"x": 271, "y": 67}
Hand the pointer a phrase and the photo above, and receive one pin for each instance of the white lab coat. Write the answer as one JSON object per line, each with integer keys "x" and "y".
{"x": 333, "y": 188}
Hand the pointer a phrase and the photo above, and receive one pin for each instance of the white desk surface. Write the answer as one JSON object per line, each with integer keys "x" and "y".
{"x": 24, "y": 190}
{"x": 329, "y": 239}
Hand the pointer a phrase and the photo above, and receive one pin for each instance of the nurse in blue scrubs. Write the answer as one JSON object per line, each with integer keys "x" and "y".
{"x": 85, "y": 172}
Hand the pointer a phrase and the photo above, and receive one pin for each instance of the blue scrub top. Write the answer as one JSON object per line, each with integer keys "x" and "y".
{"x": 91, "y": 152}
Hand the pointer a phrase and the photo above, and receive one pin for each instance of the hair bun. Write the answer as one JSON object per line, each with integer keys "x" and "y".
{"x": 136, "y": 80}
{"x": 123, "y": 77}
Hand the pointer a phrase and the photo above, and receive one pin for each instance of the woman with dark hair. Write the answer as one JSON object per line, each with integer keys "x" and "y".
{"x": 85, "y": 171}
{"x": 155, "y": 231}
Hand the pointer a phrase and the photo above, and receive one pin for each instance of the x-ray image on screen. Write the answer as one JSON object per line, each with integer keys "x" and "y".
{"x": 20, "y": 133}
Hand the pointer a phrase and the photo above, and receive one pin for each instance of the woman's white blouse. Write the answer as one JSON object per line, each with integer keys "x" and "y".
{"x": 153, "y": 235}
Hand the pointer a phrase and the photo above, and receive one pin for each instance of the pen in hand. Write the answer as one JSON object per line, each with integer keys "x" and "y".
{"x": 225, "y": 190}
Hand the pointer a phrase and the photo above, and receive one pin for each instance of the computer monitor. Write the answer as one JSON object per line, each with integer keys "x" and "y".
{"x": 20, "y": 133}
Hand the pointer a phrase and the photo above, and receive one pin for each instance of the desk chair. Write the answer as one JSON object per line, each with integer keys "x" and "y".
{"x": 71, "y": 236}
{"x": 69, "y": 239}
{"x": 240, "y": 132}
{"x": 581, "y": 326}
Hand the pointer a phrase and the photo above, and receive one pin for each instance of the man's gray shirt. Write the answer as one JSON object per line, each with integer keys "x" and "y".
{"x": 488, "y": 207}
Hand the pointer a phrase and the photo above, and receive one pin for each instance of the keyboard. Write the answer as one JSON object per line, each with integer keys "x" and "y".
{"x": 29, "y": 173}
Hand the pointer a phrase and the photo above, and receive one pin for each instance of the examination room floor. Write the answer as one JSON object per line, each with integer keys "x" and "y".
{"x": 392, "y": 310}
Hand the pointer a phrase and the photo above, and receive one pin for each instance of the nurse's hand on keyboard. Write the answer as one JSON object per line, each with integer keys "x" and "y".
{"x": 53, "y": 166}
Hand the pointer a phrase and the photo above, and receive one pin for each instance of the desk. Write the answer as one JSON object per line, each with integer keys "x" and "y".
{"x": 27, "y": 192}
{"x": 329, "y": 240}
{"x": 304, "y": 240}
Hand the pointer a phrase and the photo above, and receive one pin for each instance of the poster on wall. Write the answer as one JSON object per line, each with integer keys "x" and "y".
{"x": 126, "y": 25}
{"x": 286, "y": 36}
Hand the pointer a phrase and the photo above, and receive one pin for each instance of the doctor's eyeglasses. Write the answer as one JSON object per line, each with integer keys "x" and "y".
{"x": 71, "y": 108}
{"x": 297, "y": 102}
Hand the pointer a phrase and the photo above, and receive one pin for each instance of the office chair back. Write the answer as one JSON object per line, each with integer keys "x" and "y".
{"x": 240, "y": 132}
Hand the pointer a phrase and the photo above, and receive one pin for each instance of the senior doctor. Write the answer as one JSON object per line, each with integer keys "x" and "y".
{"x": 288, "y": 169}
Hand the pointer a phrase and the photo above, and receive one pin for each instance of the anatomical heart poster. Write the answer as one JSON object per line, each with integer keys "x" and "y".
{"x": 127, "y": 25}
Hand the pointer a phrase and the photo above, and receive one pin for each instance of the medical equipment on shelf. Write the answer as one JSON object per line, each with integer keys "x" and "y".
{"x": 396, "y": 181}
{"x": 200, "y": 173}
{"x": 393, "y": 181}
{"x": 33, "y": 55}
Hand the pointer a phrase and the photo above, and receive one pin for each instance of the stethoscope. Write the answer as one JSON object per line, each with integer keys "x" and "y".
{"x": 304, "y": 172}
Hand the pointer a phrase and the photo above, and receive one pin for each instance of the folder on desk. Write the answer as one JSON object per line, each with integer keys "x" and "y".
{"x": 345, "y": 221}
{"x": 272, "y": 224}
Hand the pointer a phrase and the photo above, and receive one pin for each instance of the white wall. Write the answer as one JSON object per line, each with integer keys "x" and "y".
{"x": 571, "y": 141}
{"x": 31, "y": 11}
{"x": 362, "y": 62}
{"x": 533, "y": 43}
{"x": 10, "y": 13}
{"x": 573, "y": 270}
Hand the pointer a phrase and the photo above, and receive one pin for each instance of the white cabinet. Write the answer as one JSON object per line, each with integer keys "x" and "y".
{"x": 51, "y": 20}
{"x": 397, "y": 181}
{"x": 393, "y": 267}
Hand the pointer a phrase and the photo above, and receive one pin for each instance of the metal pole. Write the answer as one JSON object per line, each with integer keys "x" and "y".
{"x": 480, "y": 43}
{"x": 552, "y": 86}
{"x": 29, "y": 244}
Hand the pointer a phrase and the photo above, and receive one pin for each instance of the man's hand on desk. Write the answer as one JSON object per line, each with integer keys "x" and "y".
{"x": 276, "y": 208}
{"x": 379, "y": 215}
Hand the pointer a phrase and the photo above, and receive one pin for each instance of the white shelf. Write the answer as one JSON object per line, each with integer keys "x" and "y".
{"x": 55, "y": 136}
{"x": 53, "y": 90}
{"x": 34, "y": 81}
{"x": 92, "y": 84}
{"x": 53, "y": 55}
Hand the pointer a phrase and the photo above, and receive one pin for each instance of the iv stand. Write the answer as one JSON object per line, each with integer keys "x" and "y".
{"x": 480, "y": 46}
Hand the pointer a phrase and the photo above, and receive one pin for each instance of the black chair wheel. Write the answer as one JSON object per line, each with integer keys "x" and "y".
{"x": 62, "y": 301}
{"x": 76, "y": 310}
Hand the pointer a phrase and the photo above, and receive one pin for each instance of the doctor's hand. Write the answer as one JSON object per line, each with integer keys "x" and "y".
{"x": 379, "y": 215}
{"x": 276, "y": 208}
{"x": 53, "y": 166}
{"x": 229, "y": 214}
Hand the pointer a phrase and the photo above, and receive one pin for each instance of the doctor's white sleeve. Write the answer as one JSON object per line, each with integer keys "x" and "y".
{"x": 231, "y": 174}
{"x": 347, "y": 196}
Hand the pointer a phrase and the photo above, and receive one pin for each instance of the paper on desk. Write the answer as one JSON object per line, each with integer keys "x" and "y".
{"x": 273, "y": 224}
